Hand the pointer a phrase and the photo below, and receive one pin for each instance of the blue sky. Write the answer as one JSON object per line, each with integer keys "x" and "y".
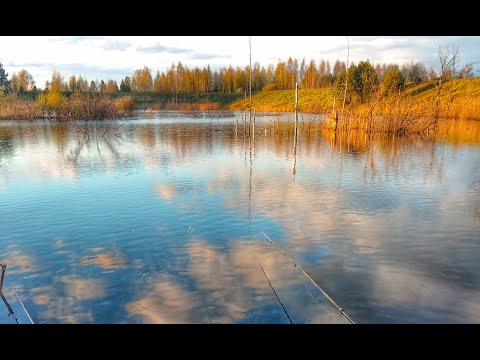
{"x": 114, "y": 57}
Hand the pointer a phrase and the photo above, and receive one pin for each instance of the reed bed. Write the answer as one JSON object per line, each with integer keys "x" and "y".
{"x": 58, "y": 107}
{"x": 19, "y": 109}
{"x": 403, "y": 114}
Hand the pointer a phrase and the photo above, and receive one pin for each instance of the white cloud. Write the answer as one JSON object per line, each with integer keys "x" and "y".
{"x": 113, "y": 57}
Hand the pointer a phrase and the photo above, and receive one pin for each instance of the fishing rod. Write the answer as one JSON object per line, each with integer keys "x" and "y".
{"x": 342, "y": 311}
{"x": 10, "y": 310}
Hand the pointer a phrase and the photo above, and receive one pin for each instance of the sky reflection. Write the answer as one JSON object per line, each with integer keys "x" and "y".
{"x": 162, "y": 224}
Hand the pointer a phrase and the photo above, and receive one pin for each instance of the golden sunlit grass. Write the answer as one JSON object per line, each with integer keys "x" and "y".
{"x": 415, "y": 110}
{"x": 469, "y": 88}
{"x": 309, "y": 101}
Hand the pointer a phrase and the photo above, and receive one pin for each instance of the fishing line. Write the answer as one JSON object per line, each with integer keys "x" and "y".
{"x": 285, "y": 310}
{"x": 342, "y": 311}
{"x": 21, "y": 303}
{"x": 329, "y": 314}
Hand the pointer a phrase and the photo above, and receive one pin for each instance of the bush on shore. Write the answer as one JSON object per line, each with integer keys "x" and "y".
{"x": 54, "y": 105}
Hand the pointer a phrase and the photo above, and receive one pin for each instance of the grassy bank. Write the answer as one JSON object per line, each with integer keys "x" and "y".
{"x": 321, "y": 100}
{"x": 416, "y": 109}
{"x": 313, "y": 101}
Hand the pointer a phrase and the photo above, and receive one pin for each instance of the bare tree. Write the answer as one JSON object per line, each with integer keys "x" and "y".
{"x": 432, "y": 75}
{"x": 454, "y": 55}
{"x": 466, "y": 71}
{"x": 448, "y": 57}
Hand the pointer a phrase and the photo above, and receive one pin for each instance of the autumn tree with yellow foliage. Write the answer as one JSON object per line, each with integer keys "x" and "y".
{"x": 142, "y": 80}
{"x": 22, "y": 81}
{"x": 112, "y": 86}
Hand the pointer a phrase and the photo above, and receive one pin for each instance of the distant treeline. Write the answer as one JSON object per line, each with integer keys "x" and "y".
{"x": 183, "y": 79}
{"x": 369, "y": 96}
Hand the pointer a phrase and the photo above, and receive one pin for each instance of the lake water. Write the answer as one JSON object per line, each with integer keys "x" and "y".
{"x": 159, "y": 219}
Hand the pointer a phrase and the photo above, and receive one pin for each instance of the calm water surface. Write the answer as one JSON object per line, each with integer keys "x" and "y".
{"x": 158, "y": 219}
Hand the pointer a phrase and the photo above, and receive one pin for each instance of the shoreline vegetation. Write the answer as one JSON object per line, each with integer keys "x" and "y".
{"x": 416, "y": 109}
{"x": 56, "y": 106}
{"x": 363, "y": 96}
{"x": 97, "y": 106}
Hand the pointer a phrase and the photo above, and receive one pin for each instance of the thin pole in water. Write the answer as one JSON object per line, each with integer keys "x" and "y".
{"x": 244, "y": 116}
{"x": 253, "y": 130}
{"x": 346, "y": 82}
{"x": 250, "y": 45}
{"x": 294, "y": 171}
{"x": 296, "y": 116}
